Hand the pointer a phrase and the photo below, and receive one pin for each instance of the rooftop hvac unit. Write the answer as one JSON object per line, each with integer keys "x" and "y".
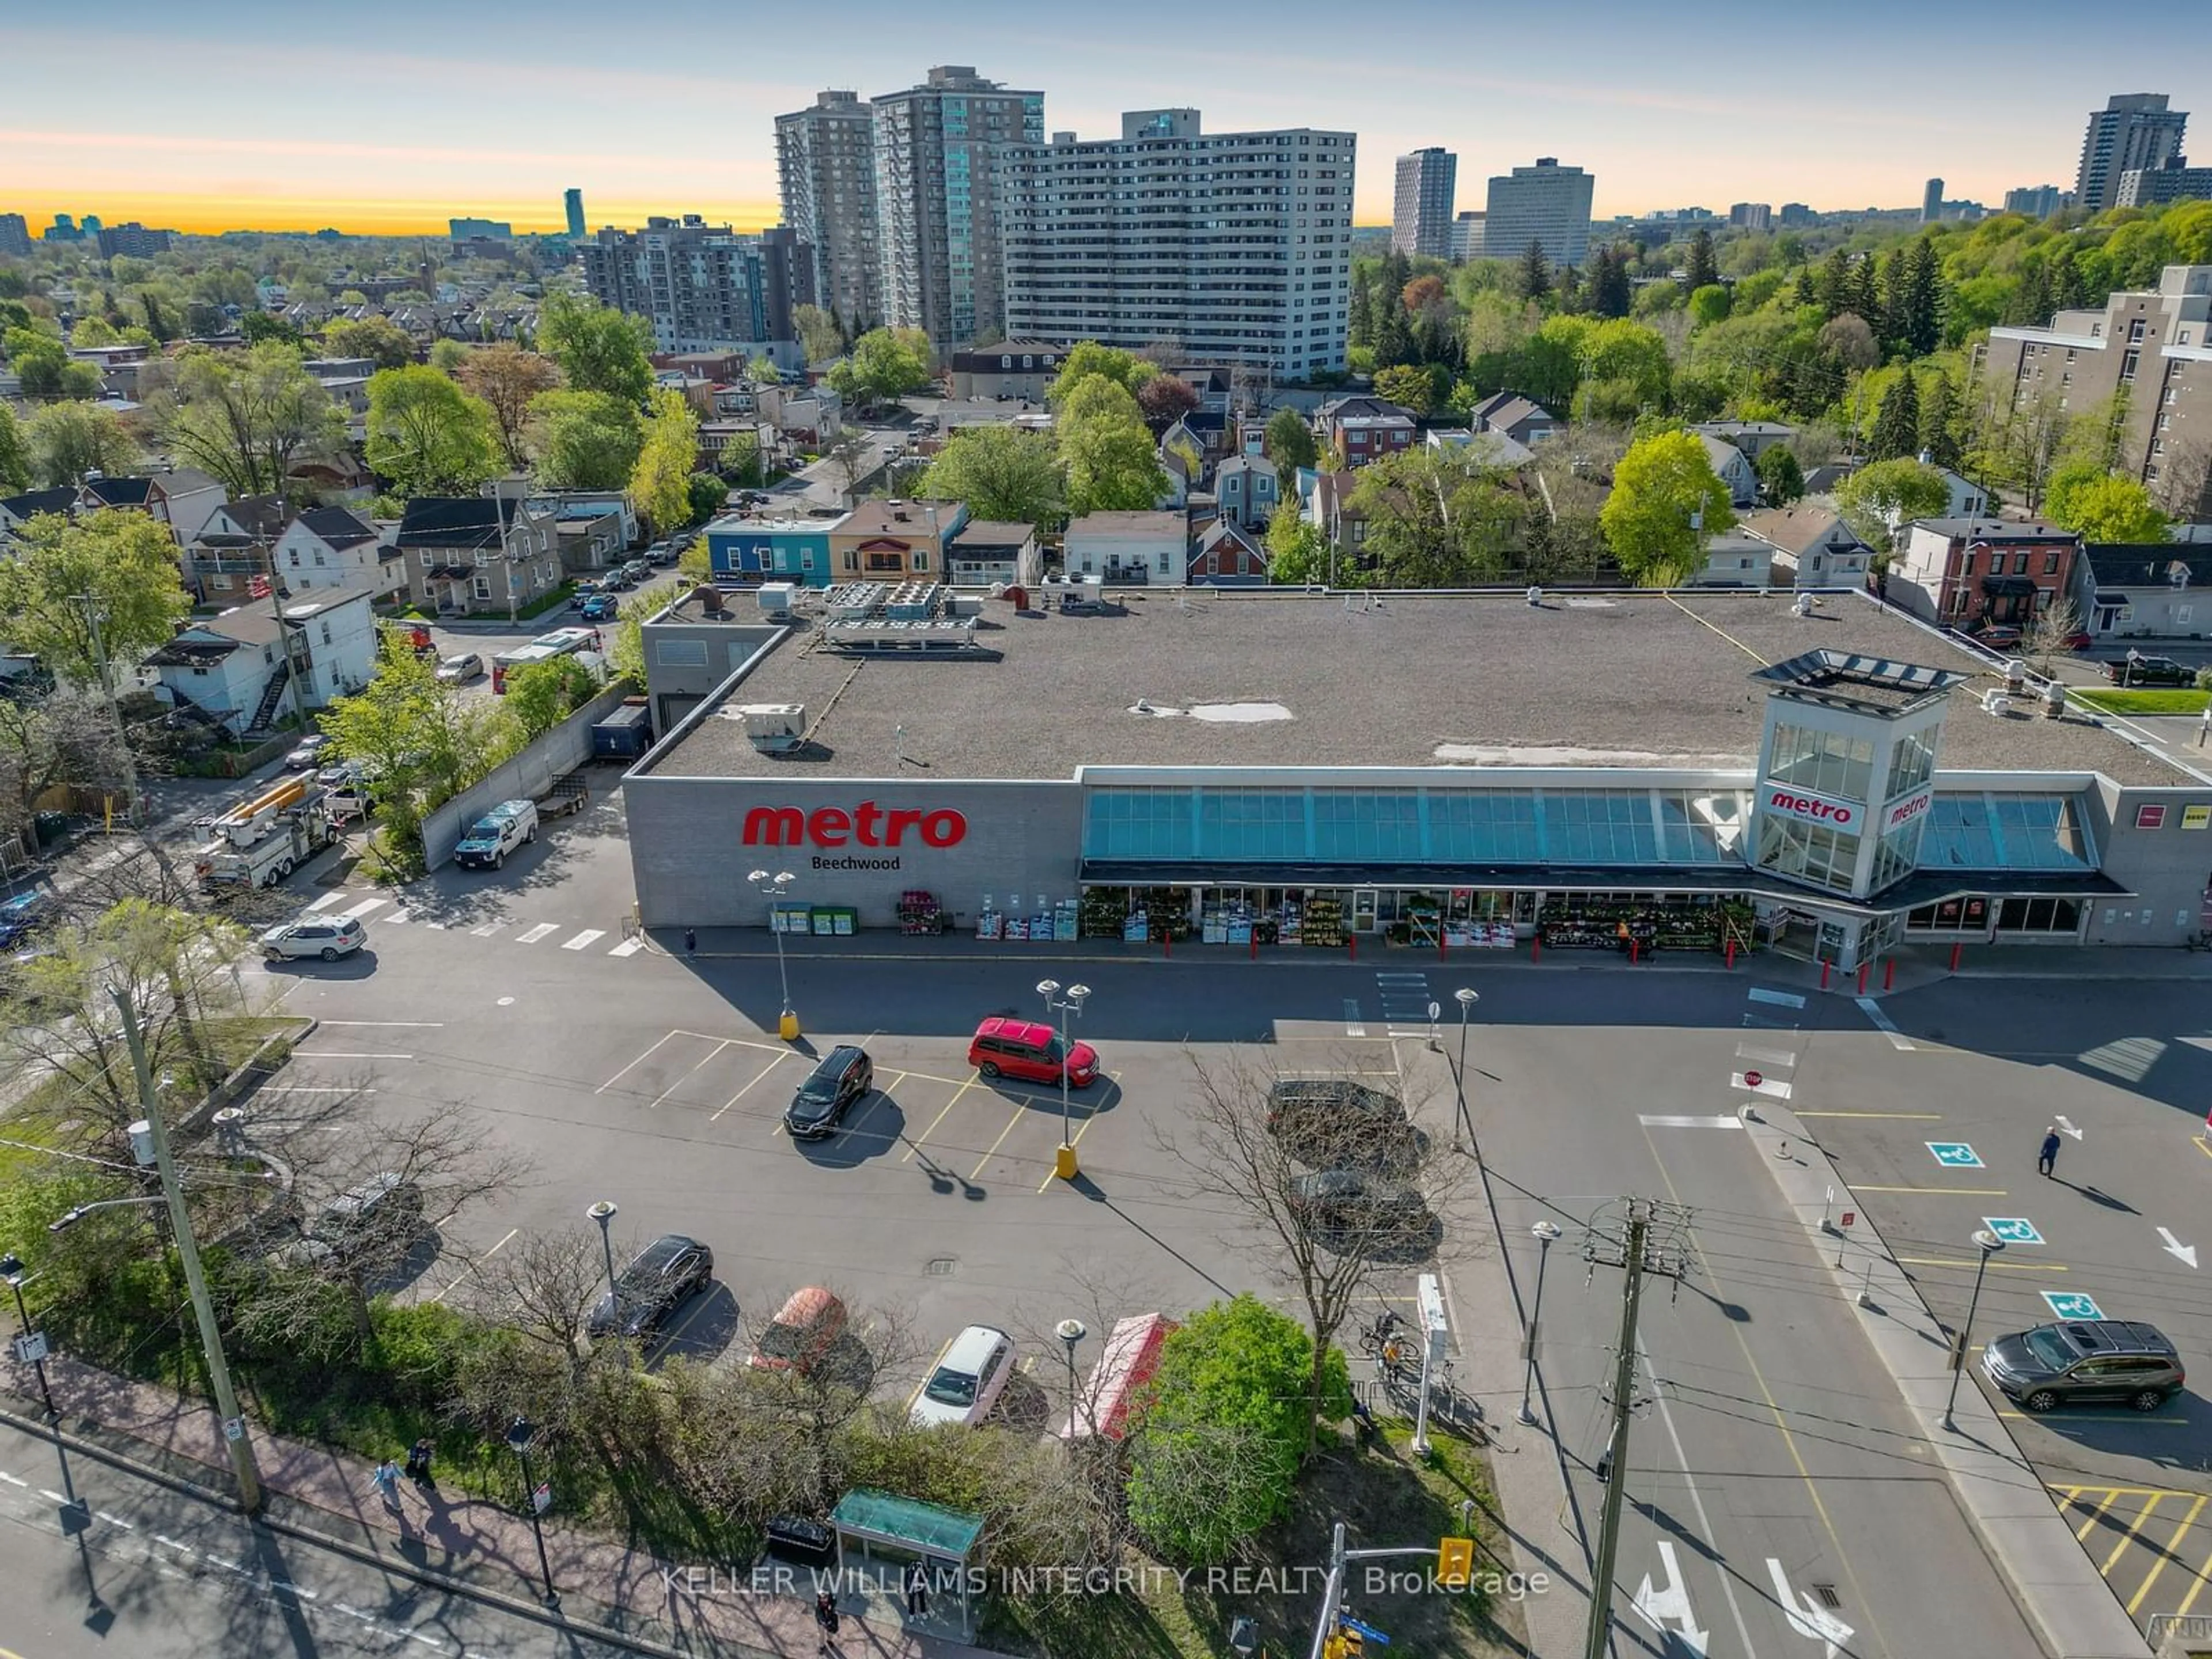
{"x": 774, "y": 728}
{"x": 1994, "y": 702}
{"x": 2054, "y": 699}
{"x": 778, "y": 598}
{"x": 2016, "y": 676}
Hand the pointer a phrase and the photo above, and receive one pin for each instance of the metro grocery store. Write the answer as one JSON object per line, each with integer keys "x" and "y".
{"x": 1462, "y": 771}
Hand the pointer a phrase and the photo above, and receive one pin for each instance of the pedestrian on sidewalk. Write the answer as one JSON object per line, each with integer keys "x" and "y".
{"x": 2047, "y": 1163}
{"x": 825, "y": 1620}
{"x": 917, "y": 1591}
{"x": 418, "y": 1461}
{"x": 690, "y": 941}
{"x": 387, "y": 1482}
{"x": 2204, "y": 725}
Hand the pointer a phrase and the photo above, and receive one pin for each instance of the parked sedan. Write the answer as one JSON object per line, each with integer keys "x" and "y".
{"x": 600, "y": 607}
{"x": 306, "y": 756}
{"x": 1352, "y": 1204}
{"x": 660, "y": 1280}
{"x": 327, "y": 937}
{"x": 460, "y": 668}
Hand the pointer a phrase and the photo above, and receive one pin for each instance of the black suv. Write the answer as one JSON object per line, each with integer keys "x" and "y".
{"x": 1330, "y": 1123}
{"x": 2096, "y": 1359}
{"x": 844, "y": 1075}
{"x": 2141, "y": 670}
{"x": 659, "y": 1279}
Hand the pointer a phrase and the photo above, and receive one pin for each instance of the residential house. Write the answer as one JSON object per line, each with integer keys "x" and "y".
{"x": 1733, "y": 559}
{"x": 2148, "y": 591}
{"x": 1812, "y": 547}
{"x": 232, "y": 548}
{"x": 1327, "y": 497}
{"x": 1968, "y": 499}
{"x": 1491, "y": 448}
{"x": 1009, "y": 370}
{"x": 1972, "y": 573}
{"x": 1228, "y": 555}
{"x": 246, "y": 666}
{"x": 589, "y": 542}
{"x": 1360, "y": 429}
{"x": 1128, "y": 548}
{"x": 1824, "y": 479}
{"x": 894, "y": 540}
{"x": 992, "y": 553}
{"x": 566, "y": 503}
{"x": 747, "y": 550}
{"x": 15, "y": 511}
{"x": 183, "y": 499}
{"x": 478, "y": 556}
{"x": 331, "y": 547}
{"x": 1736, "y": 472}
{"x": 715, "y": 437}
{"x": 1248, "y": 490}
{"x": 1754, "y": 438}
{"x": 1182, "y": 462}
{"x": 808, "y": 416}
{"x": 1509, "y": 414}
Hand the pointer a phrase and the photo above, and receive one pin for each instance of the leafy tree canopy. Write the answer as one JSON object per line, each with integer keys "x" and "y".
{"x": 1667, "y": 501}
{"x": 2103, "y": 507}
{"x": 1002, "y": 473}
{"x": 598, "y": 348}
{"x": 128, "y": 564}
{"x": 427, "y": 435}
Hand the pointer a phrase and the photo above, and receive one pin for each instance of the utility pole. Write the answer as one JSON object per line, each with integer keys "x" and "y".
{"x": 1652, "y": 1242}
{"x": 188, "y": 1252}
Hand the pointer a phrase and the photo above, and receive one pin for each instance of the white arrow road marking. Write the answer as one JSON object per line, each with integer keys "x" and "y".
{"x": 2177, "y": 1249}
{"x": 1659, "y": 1607}
{"x": 2065, "y": 1124}
{"x": 1807, "y": 1620}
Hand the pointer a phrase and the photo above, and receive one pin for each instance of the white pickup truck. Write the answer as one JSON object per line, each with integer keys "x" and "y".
{"x": 508, "y": 825}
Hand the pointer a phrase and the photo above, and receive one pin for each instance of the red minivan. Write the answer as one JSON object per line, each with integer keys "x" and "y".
{"x": 1026, "y": 1049}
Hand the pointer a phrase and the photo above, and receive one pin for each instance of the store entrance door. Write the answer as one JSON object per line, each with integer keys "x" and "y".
{"x": 1363, "y": 907}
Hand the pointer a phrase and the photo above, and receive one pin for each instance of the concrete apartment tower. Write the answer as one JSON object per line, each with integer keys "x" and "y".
{"x": 1547, "y": 204}
{"x": 825, "y": 158}
{"x": 2135, "y": 131}
{"x": 1931, "y": 202}
{"x": 1099, "y": 241}
{"x": 1421, "y": 212}
{"x": 940, "y": 151}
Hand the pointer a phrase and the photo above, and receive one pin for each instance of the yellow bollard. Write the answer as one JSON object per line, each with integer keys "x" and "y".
{"x": 1064, "y": 1164}
{"x": 788, "y": 1027}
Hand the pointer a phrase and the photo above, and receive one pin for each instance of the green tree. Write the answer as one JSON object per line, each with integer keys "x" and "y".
{"x": 1922, "y": 314}
{"x": 1700, "y": 268}
{"x": 446, "y": 356}
{"x": 1626, "y": 352}
{"x": 541, "y": 694}
{"x": 581, "y": 439}
{"x": 819, "y": 337}
{"x": 1220, "y": 1429}
{"x": 93, "y": 331}
{"x": 884, "y": 365}
{"x": 1298, "y": 554}
{"x": 1667, "y": 501}
{"x": 1002, "y": 473}
{"x": 245, "y": 417}
{"x": 1408, "y": 385}
{"x": 708, "y": 497}
{"x": 124, "y": 561}
{"x": 1548, "y": 367}
{"x": 1878, "y": 500}
{"x": 1940, "y": 419}
{"x": 740, "y": 461}
{"x": 1394, "y": 333}
{"x": 1437, "y": 519}
{"x": 1710, "y": 304}
{"x": 2103, "y": 507}
{"x": 1362, "y": 327}
{"x": 1087, "y": 360}
{"x": 15, "y": 454}
{"x": 69, "y": 440}
{"x": 44, "y": 367}
{"x": 427, "y": 435}
{"x": 507, "y": 378}
{"x": 1781, "y": 480}
{"x": 389, "y": 726}
{"x": 377, "y": 338}
{"x": 598, "y": 348}
{"x": 1533, "y": 280}
{"x": 659, "y": 484}
{"x": 1611, "y": 292}
{"x": 1894, "y": 323}
{"x": 260, "y": 327}
{"x": 1290, "y": 445}
{"x": 1897, "y": 422}
{"x": 1106, "y": 450}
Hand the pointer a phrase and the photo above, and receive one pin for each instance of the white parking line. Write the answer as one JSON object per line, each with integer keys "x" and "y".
{"x": 628, "y": 947}
{"x": 328, "y": 900}
{"x": 423, "y": 1024}
{"x": 1352, "y": 1025}
{"x": 638, "y": 1061}
{"x": 464, "y": 1272}
{"x": 687, "y": 1076}
{"x": 356, "y": 911}
{"x": 486, "y": 929}
{"x": 539, "y": 931}
{"x": 395, "y": 919}
{"x": 740, "y": 1094}
{"x": 48, "y": 1492}
{"x": 116, "y": 1521}
{"x": 583, "y": 940}
{"x": 1779, "y": 999}
{"x": 333, "y": 1054}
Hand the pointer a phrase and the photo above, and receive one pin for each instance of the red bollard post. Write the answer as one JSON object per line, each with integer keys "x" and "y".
{"x": 1865, "y": 969}
{"x": 1635, "y": 951}
{"x": 1824, "y": 966}
{"x": 1440, "y": 941}
{"x": 1535, "y": 947}
{"x": 1255, "y": 944}
{"x": 1351, "y": 943}
{"x": 1955, "y": 951}
{"x": 1889, "y": 973}
{"x": 1731, "y": 955}
{"x": 1167, "y": 942}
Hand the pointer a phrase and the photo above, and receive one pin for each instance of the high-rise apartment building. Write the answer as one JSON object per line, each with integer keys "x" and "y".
{"x": 1236, "y": 246}
{"x": 825, "y": 160}
{"x": 63, "y": 229}
{"x": 572, "y": 205}
{"x": 2038, "y": 201}
{"x": 133, "y": 240}
{"x": 14, "y": 234}
{"x": 1421, "y": 212}
{"x": 1794, "y": 214}
{"x": 2177, "y": 181}
{"x": 1547, "y": 204}
{"x": 702, "y": 286}
{"x": 1931, "y": 202}
{"x": 1466, "y": 237}
{"x": 2134, "y": 129}
{"x": 497, "y": 230}
{"x": 1752, "y": 215}
{"x": 940, "y": 148}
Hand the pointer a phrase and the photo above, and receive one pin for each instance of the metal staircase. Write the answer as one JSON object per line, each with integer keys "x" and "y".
{"x": 265, "y": 713}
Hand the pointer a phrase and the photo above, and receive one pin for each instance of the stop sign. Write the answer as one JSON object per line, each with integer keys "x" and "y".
{"x": 1753, "y": 1079}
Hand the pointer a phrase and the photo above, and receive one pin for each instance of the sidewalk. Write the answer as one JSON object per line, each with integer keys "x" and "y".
{"x": 608, "y": 1591}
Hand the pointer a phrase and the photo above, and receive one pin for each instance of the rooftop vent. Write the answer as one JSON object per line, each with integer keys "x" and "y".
{"x": 708, "y": 599}
{"x": 774, "y": 728}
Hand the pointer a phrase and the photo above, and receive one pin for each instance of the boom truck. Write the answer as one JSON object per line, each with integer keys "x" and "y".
{"x": 262, "y": 840}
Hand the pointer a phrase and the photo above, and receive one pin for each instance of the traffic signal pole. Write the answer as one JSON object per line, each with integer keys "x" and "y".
{"x": 1332, "y": 1599}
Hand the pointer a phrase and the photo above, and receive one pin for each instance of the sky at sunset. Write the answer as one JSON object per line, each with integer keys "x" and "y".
{"x": 245, "y": 113}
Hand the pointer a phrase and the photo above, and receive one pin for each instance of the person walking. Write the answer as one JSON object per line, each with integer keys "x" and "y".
{"x": 690, "y": 941}
{"x": 2046, "y": 1162}
{"x": 418, "y": 1461}
{"x": 387, "y": 1483}
{"x": 917, "y": 1591}
{"x": 825, "y": 1620}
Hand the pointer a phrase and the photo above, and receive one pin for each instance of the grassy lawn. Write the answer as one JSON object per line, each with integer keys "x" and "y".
{"x": 2163, "y": 700}
{"x": 1386, "y": 1497}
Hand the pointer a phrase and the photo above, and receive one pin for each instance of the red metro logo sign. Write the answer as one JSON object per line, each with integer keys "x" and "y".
{"x": 866, "y": 825}
{"x": 1810, "y": 809}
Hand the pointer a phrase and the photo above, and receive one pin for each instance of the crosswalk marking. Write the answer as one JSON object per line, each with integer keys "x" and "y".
{"x": 327, "y": 900}
{"x": 1779, "y": 999}
{"x": 584, "y": 939}
{"x": 537, "y": 932}
{"x": 398, "y": 917}
{"x": 1352, "y": 1027}
{"x": 628, "y": 947}
{"x": 401, "y": 914}
{"x": 485, "y": 930}
{"x": 363, "y": 908}
{"x": 1887, "y": 1027}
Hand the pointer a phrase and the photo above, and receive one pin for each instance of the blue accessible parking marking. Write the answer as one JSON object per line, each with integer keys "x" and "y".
{"x": 2013, "y": 1229}
{"x": 2072, "y": 1305}
{"x": 1953, "y": 1154}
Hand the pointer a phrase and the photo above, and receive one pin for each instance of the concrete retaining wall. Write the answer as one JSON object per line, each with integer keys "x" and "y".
{"x": 565, "y": 748}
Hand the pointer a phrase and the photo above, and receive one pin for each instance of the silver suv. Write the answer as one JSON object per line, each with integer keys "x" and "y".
{"x": 2085, "y": 1360}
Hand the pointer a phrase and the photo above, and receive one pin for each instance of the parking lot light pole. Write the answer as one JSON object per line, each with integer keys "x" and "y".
{"x": 519, "y": 1435}
{"x": 1467, "y": 999}
{"x": 1071, "y": 1331}
{"x": 1990, "y": 1244}
{"x": 34, "y": 1343}
{"x": 1547, "y": 1234}
{"x": 1064, "y": 1164}
{"x": 774, "y": 887}
{"x": 604, "y": 1212}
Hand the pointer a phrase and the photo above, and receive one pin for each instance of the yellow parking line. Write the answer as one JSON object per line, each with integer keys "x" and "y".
{"x": 2127, "y": 1537}
{"x": 2159, "y": 1560}
{"x": 1995, "y": 1266}
{"x": 2195, "y": 1589}
{"x": 914, "y": 1144}
{"x": 2126, "y": 1492}
{"x": 1020, "y": 1112}
{"x": 1940, "y": 1191}
{"x": 2096, "y": 1515}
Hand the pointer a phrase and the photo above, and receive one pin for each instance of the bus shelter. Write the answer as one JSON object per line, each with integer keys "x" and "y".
{"x": 880, "y": 1539}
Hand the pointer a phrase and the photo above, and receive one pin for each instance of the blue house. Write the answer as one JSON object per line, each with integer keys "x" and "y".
{"x": 746, "y": 551}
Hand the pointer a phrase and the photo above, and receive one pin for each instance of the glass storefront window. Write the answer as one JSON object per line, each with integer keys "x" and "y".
{"x": 1251, "y": 824}
{"x": 2040, "y": 916}
{"x": 1699, "y": 827}
{"x": 1498, "y": 827}
{"x": 1896, "y": 853}
{"x": 1610, "y": 826}
{"x": 1814, "y": 853}
{"x": 1367, "y": 823}
{"x": 1825, "y": 763}
{"x": 1911, "y": 763}
{"x": 2007, "y": 832}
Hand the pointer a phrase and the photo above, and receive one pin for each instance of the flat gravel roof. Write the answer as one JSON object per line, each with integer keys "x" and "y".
{"x": 1278, "y": 678}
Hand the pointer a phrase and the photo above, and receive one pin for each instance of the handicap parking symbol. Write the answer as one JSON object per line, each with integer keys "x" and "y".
{"x": 1955, "y": 1154}
{"x": 2013, "y": 1229}
{"x": 2072, "y": 1305}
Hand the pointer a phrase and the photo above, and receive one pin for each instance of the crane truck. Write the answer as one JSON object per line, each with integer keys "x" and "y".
{"x": 260, "y": 842}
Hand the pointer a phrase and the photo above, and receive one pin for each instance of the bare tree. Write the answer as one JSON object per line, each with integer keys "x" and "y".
{"x": 1337, "y": 1186}
{"x": 851, "y": 456}
{"x": 63, "y": 737}
{"x": 543, "y": 1289}
{"x": 2051, "y": 634}
{"x": 813, "y": 1395}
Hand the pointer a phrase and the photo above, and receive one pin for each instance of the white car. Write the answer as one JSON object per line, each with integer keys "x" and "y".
{"x": 327, "y": 937}
{"x": 966, "y": 1383}
{"x": 459, "y": 668}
